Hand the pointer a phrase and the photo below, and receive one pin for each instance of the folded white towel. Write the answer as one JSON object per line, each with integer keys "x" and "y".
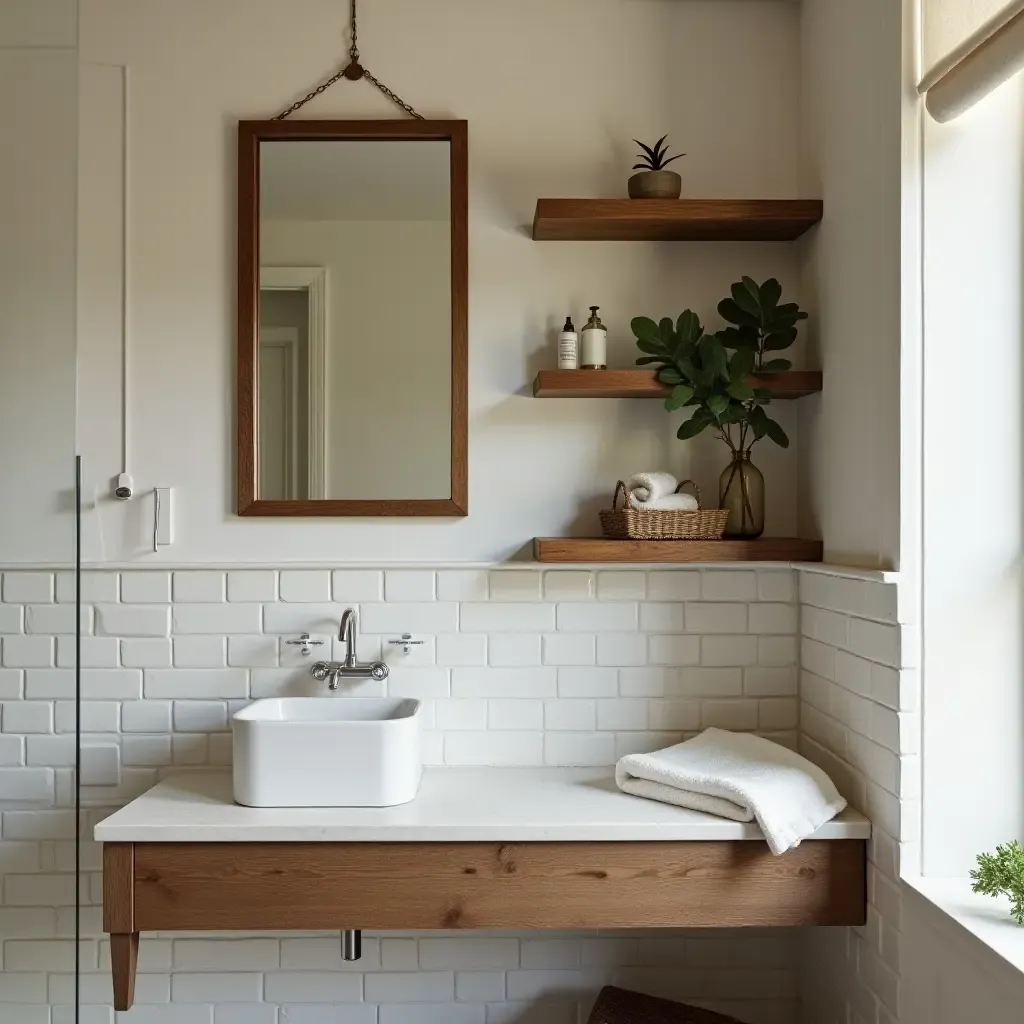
{"x": 738, "y": 776}
{"x": 665, "y": 502}
{"x": 648, "y": 486}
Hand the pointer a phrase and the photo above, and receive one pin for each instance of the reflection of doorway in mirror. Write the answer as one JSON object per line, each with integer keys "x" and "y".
{"x": 279, "y": 414}
{"x": 293, "y": 299}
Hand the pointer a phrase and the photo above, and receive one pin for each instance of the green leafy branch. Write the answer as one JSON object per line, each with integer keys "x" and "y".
{"x": 761, "y": 325}
{"x": 1002, "y": 874}
{"x": 705, "y": 377}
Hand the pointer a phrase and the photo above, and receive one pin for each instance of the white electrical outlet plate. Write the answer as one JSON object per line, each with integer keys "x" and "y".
{"x": 164, "y": 516}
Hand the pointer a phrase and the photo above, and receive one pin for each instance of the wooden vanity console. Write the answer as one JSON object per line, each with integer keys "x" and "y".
{"x": 548, "y": 882}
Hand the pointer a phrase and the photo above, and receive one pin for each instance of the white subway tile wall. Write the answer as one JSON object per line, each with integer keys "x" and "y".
{"x": 859, "y": 709}
{"x": 518, "y": 667}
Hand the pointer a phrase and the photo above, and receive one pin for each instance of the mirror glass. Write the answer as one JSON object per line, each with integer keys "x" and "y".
{"x": 355, "y": 321}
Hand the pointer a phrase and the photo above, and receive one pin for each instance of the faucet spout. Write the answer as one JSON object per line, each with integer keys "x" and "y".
{"x": 347, "y": 632}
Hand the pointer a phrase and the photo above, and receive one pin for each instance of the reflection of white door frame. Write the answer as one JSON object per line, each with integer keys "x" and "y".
{"x": 287, "y": 339}
{"x": 312, "y": 280}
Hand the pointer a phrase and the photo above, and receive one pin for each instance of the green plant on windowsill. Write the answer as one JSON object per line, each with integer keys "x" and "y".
{"x": 1002, "y": 874}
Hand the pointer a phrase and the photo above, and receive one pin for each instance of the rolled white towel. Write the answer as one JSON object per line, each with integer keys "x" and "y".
{"x": 665, "y": 503}
{"x": 738, "y": 776}
{"x": 648, "y": 486}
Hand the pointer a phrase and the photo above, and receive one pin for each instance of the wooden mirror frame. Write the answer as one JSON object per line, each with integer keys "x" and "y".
{"x": 250, "y": 135}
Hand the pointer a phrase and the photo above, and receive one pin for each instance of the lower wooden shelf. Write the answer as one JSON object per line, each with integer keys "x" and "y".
{"x": 600, "y": 549}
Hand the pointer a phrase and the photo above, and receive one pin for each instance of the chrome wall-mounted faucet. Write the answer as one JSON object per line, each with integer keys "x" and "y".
{"x": 349, "y": 668}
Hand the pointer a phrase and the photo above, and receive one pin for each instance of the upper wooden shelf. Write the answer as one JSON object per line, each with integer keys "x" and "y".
{"x": 645, "y": 384}
{"x": 674, "y": 220}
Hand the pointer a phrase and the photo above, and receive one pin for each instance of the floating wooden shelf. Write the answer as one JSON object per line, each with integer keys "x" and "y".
{"x": 678, "y": 220}
{"x": 645, "y": 384}
{"x": 600, "y": 549}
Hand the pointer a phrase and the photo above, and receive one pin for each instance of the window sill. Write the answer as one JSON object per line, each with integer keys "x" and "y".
{"x": 952, "y": 904}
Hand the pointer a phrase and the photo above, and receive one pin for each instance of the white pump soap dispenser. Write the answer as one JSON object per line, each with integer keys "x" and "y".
{"x": 594, "y": 343}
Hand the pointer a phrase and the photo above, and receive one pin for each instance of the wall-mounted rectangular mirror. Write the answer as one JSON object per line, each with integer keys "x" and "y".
{"x": 352, "y": 318}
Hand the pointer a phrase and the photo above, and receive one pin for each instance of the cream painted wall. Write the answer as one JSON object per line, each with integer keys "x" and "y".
{"x": 387, "y": 350}
{"x": 553, "y": 91}
{"x": 38, "y": 175}
{"x": 853, "y": 72}
{"x": 39, "y": 23}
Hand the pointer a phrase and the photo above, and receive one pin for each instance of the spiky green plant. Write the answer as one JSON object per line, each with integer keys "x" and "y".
{"x": 1002, "y": 874}
{"x": 653, "y": 158}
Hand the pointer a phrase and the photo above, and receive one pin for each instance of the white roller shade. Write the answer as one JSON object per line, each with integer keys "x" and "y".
{"x": 990, "y": 55}
{"x": 947, "y": 24}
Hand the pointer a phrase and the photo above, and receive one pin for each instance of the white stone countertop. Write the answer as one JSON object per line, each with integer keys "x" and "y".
{"x": 453, "y": 805}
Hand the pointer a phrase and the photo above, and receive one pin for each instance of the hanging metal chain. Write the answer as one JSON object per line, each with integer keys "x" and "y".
{"x": 353, "y": 50}
{"x": 394, "y": 97}
{"x": 316, "y": 92}
{"x": 353, "y": 71}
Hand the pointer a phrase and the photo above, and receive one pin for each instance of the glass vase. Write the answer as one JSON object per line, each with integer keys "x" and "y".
{"x": 741, "y": 491}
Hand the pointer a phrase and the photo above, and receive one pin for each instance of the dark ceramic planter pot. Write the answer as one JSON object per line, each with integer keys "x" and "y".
{"x": 655, "y": 185}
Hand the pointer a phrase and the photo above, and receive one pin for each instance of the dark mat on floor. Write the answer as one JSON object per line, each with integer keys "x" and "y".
{"x": 620, "y": 1006}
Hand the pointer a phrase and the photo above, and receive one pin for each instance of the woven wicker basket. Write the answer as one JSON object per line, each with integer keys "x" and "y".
{"x": 628, "y": 523}
{"x": 620, "y": 1006}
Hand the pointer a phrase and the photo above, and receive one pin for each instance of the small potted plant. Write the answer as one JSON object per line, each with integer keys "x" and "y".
{"x": 653, "y": 181}
{"x": 1002, "y": 874}
{"x": 716, "y": 385}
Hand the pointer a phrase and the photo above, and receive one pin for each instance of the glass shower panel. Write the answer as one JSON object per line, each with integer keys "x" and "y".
{"x": 38, "y": 622}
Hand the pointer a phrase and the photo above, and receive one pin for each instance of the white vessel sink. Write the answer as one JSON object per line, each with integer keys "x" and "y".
{"x": 327, "y": 752}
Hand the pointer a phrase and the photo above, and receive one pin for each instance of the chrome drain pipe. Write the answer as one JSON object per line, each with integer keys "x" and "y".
{"x": 351, "y": 944}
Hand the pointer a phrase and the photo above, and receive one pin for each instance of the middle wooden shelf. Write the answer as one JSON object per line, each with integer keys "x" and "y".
{"x": 645, "y": 384}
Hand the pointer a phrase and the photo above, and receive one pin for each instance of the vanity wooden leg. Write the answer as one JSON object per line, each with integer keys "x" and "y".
{"x": 119, "y": 919}
{"x": 124, "y": 958}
